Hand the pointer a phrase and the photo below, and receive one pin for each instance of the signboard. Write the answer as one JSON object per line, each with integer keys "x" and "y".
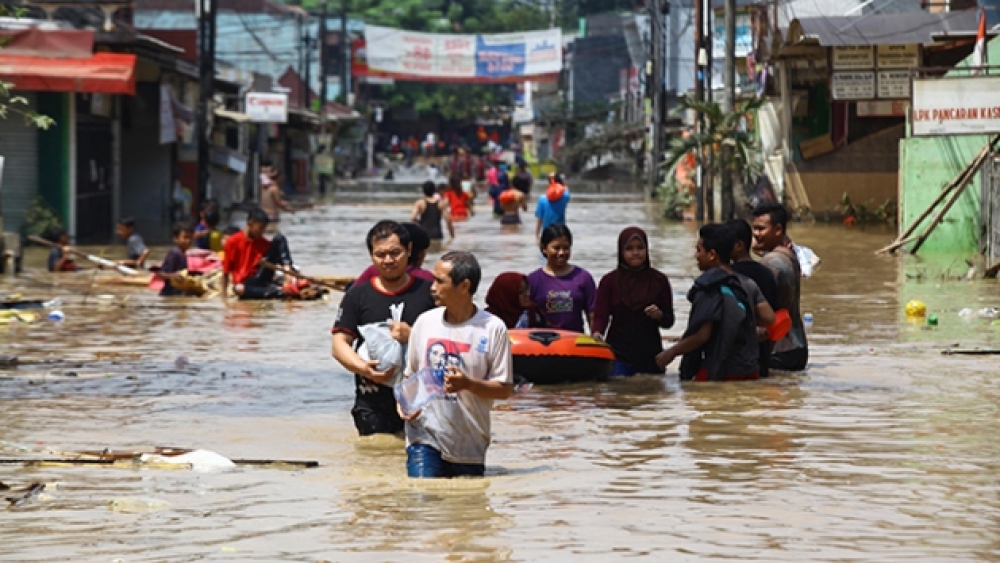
{"x": 853, "y": 57}
{"x": 897, "y": 56}
{"x": 893, "y": 84}
{"x": 853, "y": 85}
{"x": 882, "y": 108}
{"x": 434, "y": 57}
{"x": 168, "y": 126}
{"x": 267, "y": 107}
{"x": 956, "y": 106}
{"x": 744, "y": 33}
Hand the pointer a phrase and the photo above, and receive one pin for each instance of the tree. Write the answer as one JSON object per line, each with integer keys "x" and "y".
{"x": 721, "y": 129}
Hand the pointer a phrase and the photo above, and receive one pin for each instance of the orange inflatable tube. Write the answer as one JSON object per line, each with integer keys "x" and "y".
{"x": 546, "y": 356}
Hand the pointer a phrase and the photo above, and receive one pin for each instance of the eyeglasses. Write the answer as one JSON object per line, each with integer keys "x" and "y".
{"x": 394, "y": 254}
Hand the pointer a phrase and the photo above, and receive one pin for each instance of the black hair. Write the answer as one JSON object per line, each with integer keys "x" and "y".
{"x": 558, "y": 230}
{"x": 179, "y": 228}
{"x": 741, "y": 232}
{"x": 55, "y": 234}
{"x": 258, "y": 215}
{"x": 560, "y": 179}
{"x": 429, "y": 188}
{"x": 385, "y": 229}
{"x": 718, "y": 238}
{"x": 464, "y": 266}
{"x": 420, "y": 239}
{"x": 775, "y": 211}
{"x": 209, "y": 204}
{"x": 127, "y": 222}
{"x": 212, "y": 217}
{"x": 266, "y": 163}
{"x": 231, "y": 230}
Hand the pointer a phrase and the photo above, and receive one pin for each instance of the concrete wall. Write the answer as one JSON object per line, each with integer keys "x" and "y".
{"x": 927, "y": 164}
{"x": 145, "y": 174}
{"x": 867, "y": 170}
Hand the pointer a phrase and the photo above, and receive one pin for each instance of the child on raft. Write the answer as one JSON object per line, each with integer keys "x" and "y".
{"x": 720, "y": 342}
{"x": 60, "y": 259}
{"x": 136, "y": 250}
{"x": 509, "y": 299}
{"x": 175, "y": 264}
{"x": 564, "y": 293}
{"x": 634, "y": 302}
{"x": 207, "y": 235}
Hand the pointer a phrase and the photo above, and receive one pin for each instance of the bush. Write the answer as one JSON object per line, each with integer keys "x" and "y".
{"x": 40, "y": 220}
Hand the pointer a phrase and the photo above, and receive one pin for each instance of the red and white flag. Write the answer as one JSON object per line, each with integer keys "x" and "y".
{"x": 979, "y": 53}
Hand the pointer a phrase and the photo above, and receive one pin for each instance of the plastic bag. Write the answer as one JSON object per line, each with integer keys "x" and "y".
{"x": 414, "y": 392}
{"x": 380, "y": 345}
{"x": 808, "y": 260}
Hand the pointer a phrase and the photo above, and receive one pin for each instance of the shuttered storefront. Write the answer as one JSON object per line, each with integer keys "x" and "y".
{"x": 19, "y": 147}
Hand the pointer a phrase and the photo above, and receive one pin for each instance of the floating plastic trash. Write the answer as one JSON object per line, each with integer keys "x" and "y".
{"x": 916, "y": 308}
{"x": 130, "y": 505}
{"x": 202, "y": 461}
{"x": 56, "y": 316}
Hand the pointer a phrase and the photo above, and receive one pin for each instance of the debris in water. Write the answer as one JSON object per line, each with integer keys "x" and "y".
{"x": 32, "y": 491}
{"x": 130, "y": 505}
{"x": 202, "y": 461}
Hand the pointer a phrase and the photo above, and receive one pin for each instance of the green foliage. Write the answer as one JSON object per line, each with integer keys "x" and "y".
{"x": 673, "y": 201}
{"x": 40, "y": 220}
{"x": 10, "y": 103}
{"x": 867, "y": 212}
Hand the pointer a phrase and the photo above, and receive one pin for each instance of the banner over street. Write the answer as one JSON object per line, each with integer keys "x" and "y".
{"x": 434, "y": 57}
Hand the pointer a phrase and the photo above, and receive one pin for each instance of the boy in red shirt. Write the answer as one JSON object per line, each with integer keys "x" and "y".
{"x": 242, "y": 267}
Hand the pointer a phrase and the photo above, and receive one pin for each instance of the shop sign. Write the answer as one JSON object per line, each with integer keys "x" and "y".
{"x": 853, "y": 85}
{"x": 955, "y": 106}
{"x": 893, "y": 84}
{"x": 851, "y": 57}
{"x": 267, "y": 107}
{"x": 898, "y": 56}
{"x": 882, "y": 108}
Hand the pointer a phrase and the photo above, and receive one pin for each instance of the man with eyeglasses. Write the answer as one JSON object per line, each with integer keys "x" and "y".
{"x": 391, "y": 290}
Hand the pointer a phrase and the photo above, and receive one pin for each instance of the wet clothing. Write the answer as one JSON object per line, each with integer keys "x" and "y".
{"x": 242, "y": 261}
{"x": 269, "y": 202}
{"x": 458, "y": 425}
{"x": 764, "y": 279}
{"x": 718, "y": 297}
{"x": 621, "y": 302}
{"x": 425, "y": 462}
{"x": 552, "y": 212}
{"x": 563, "y": 299}
{"x": 134, "y": 247}
{"x": 211, "y": 241}
{"x": 459, "y": 203}
{"x": 374, "y": 409}
{"x": 514, "y": 219}
{"x": 430, "y": 219}
{"x": 175, "y": 261}
{"x": 792, "y": 351}
{"x": 55, "y": 255}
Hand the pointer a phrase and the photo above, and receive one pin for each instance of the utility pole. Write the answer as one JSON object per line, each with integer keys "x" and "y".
{"x": 203, "y": 117}
{"x": 324, "y": 68}
{"x": 656, "y": 90}
{"x": 728, "y": 106}
{"x": 307, "y": 77}
{"x": 710, "y": 156}
{"x": 699, "y": 96}
{"x": 345, "y": 53}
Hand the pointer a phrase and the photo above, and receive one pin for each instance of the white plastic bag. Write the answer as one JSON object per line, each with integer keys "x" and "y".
{"x": 808, "y": 260}
{"x": 380, "y": 345}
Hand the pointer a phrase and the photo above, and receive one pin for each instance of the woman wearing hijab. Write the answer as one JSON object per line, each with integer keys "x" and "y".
{"x": 510, "y": 300}
{"x": 636, "y": 301}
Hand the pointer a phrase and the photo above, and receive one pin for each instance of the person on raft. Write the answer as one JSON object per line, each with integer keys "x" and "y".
{"x": 242, "y": 267}
{"x": 60, "y": 259}
{"x": 770, "y": 222}
{"x": 720, "y": 342}
{"x": 391, "y": 291}
{"x": 430, "y": 210}
{"x": 564, "y": 293}
{"x": 509, "y": 299}
{"x": 136, "y": 250}
{"x": 175, "y": 263}
{"x": 634, "y": 302}
{"x": 414, "y": 266}
{"x": 449, "y": 436}
{"x": 744, "y": 264}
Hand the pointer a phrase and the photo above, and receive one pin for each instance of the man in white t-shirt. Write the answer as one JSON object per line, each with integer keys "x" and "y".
{"x": 449, "y": 436}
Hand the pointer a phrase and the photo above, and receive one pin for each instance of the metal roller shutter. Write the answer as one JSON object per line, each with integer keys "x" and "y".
{"x": 19, "y": 147}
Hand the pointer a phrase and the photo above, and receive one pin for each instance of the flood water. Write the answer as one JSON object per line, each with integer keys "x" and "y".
{"x": 885, "y": 450}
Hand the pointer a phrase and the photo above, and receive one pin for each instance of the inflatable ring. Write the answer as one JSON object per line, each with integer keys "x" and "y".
{"x": 549, "y": 356}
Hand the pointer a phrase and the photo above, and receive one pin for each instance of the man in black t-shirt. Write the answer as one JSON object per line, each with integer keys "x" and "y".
{"x": 391, "y": 291}
{"x": 743, "y": 263}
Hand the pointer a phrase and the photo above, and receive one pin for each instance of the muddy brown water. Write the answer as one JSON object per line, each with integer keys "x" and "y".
{"x": 884, "y": 450}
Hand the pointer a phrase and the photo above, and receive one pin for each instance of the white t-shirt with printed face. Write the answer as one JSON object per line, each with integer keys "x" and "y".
{"x": 458, "y": 425}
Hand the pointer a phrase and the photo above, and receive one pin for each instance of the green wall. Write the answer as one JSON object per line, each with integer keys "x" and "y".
{"x": 926, "y": 164}
{"x": 53, "y": 153}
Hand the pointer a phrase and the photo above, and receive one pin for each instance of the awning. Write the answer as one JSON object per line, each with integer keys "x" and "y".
{"x": 232, "y": 115}
{"x": 106, "y": 73}
{"x": 921, "y": 28}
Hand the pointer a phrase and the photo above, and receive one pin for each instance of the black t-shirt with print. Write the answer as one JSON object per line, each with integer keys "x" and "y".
{"x": 364, "y": 304}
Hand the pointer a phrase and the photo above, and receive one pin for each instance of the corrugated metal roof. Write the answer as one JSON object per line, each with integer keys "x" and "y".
{"x": 920, "y": 28}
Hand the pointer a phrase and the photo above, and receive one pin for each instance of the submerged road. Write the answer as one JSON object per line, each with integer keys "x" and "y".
{"x": 884, "y": 450}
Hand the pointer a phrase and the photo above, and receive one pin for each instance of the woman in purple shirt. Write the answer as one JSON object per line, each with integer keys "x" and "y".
{"x": 563, "y": 292}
